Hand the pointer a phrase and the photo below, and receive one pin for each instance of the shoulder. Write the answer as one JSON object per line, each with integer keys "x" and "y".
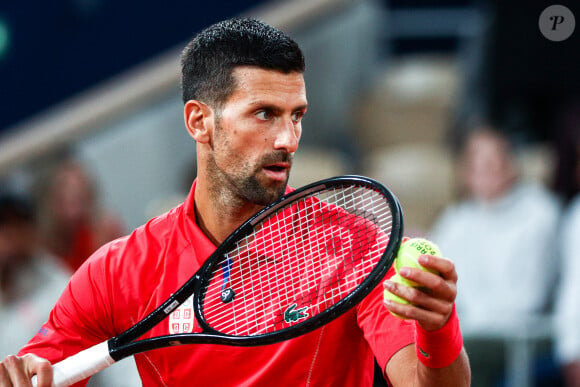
{"x": 135, "y": 258}
{"x": 536, "y": 198}
{"x": 533, "y": 191}
{"x": 144, "y": 243}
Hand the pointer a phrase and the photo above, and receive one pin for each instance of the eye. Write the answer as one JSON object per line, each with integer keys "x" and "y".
{"x": 297, "y": 116}
{"x": 264, "y": 115}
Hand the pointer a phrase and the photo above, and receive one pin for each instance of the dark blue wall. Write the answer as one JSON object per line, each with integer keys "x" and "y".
{"x": 60, "y": 47}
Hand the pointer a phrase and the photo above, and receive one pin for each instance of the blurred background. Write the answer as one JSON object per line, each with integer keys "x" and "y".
{"x": 394, "y": 88}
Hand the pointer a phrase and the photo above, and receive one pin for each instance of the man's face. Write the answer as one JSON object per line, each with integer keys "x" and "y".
{"x": 256, "y": 134}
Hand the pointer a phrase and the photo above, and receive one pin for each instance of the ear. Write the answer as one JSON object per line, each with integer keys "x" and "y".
{"x": 198, "y": 120}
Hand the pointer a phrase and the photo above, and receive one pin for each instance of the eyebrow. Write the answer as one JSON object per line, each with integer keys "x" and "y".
{"x": 270, "y": 106}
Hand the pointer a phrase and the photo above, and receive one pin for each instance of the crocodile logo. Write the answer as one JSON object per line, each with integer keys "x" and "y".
{"x": 424, "y": 353}
{"x": 292, "y": 314}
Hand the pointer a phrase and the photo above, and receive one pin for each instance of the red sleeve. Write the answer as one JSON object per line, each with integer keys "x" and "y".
{"x": 81, "y": 317}
{"x": 385, "y": 333}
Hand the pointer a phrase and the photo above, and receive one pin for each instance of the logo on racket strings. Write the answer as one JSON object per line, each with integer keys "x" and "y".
{"x": 227, "y": 295}
{"x": 293, "y": 315}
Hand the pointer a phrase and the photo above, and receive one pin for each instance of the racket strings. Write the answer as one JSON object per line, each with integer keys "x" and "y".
{"x": 301, "y": 261}
{"x": 353, "y": 251}
{"x": 337, "y": 271}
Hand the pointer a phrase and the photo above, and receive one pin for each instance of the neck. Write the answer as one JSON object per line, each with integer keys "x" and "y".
{"x": 218, "y": 214}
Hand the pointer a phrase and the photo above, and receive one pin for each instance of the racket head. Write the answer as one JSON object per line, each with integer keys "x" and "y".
{"x": 300, "y": 262}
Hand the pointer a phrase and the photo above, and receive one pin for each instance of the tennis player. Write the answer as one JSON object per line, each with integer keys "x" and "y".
{"x": 245, "y": 97}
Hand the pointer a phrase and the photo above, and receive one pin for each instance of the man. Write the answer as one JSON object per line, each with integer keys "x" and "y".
{"x": 245, "y": 96}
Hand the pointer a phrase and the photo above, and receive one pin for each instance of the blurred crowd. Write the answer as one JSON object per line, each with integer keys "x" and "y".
{"x": 46, "y": 233}
{"x": 514, "y": 240}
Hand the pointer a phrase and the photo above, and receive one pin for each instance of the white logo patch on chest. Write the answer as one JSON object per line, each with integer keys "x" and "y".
{"x": 181, "y": 320}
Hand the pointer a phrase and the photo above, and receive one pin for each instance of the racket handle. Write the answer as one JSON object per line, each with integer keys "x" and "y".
{"x": 80, "y": 366}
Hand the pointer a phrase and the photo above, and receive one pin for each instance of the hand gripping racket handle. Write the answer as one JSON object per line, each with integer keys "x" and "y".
{"x": 80, "y": 366}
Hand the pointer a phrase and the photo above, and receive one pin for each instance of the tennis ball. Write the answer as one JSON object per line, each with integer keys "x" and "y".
{"x": 409, "y": 252}
{"x": 393, "y": 297}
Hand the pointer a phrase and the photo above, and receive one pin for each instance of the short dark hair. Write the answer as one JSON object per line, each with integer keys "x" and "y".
{"x": 208, "y": 60}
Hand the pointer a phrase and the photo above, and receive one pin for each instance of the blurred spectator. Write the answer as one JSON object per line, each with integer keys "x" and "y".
{"x": 504, "y": 229}
{"x": 30, "y": 280}
{"x": 72, "y": 223}
{"x": 567, "y": 184}
{"x": 501, "y": 236}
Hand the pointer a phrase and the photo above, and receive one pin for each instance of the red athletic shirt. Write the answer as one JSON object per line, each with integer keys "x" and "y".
{"x": 128, "y": 278}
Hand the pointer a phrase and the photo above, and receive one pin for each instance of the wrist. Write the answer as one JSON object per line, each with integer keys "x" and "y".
{"x": 439, "y": 348}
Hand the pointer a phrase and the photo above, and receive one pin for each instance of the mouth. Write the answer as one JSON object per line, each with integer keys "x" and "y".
{"x": 277, "y": 171}
{"x": 277, "y": 167}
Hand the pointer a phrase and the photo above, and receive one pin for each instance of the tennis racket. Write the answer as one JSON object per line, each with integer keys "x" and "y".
{"x": 294, "y": 266}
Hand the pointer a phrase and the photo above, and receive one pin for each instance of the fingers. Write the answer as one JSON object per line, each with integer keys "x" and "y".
{"x": 431, "y": 284}
{"x": 40, "y": 367}
{"x": 4, "y": 377}
{"x": 17, "y": 371}
{"x": 14, "y": 373}
{"x": 431, "y": 302}
{"x": 429, "y": 311}
{"x": 440, "y": 283}
{"x": 444, "y": 266}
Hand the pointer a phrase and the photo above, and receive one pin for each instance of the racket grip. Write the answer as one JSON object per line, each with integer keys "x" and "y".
{"x": 80, "y": 366}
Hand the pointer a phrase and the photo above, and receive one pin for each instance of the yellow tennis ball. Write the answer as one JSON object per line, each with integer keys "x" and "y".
{"x": 409, "y": 252}
{"x": 393, "y": 297}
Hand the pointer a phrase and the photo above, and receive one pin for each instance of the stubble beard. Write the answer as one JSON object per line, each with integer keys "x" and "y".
{"x": 242, "y": 186}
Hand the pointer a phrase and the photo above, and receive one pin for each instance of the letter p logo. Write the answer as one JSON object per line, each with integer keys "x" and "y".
{"x": 556, "y": 23}
{"x": 556, "y": 20}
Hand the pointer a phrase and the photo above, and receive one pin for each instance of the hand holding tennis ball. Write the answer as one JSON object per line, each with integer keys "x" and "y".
{"x": 409, "y": 253}
{"x": 407, "y": 256}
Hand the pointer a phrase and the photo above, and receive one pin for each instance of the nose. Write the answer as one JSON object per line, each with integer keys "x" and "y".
{"x": 288, "y": 136}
